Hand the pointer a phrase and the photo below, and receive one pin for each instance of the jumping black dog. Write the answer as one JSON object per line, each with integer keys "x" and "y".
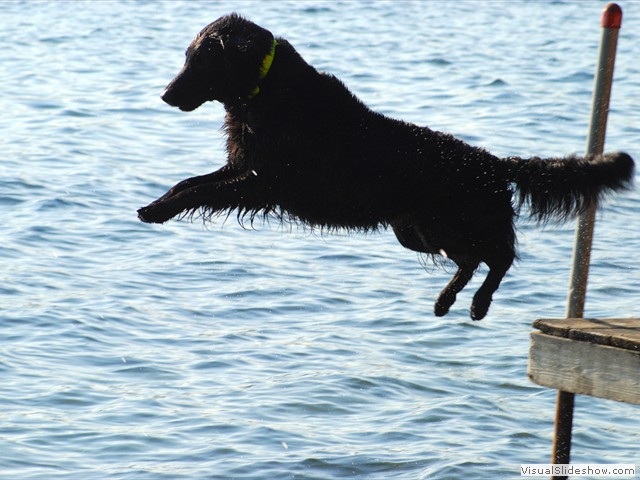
{"x": 302, "y": 147}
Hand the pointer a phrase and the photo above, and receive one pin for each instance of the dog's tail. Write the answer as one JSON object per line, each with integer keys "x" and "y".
{"x": 560, "y": 188}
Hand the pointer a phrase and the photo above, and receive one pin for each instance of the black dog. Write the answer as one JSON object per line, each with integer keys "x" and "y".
{"x": 302, "y": 147}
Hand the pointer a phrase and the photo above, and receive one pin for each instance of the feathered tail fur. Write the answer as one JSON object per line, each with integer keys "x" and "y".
{"x": 560, "y": 188}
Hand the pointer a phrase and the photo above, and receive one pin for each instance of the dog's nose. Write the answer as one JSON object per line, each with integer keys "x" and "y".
{"x": 167, "y": 97}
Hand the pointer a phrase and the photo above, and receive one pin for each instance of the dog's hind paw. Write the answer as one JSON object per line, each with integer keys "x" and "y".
{"x": 440, "y": 310}
{"x": 443, "y": 305}
{"x": 480, "y": 307}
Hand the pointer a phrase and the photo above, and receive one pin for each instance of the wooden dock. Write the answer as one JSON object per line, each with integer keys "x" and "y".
{"x": 597, "y": 357}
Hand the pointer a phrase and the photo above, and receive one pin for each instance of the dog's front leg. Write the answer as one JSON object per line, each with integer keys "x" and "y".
{"x": 226, "y": 172}
{"x": 238, "y": 192}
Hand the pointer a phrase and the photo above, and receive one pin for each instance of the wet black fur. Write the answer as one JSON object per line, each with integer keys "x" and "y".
{"x": 305, "y": 149}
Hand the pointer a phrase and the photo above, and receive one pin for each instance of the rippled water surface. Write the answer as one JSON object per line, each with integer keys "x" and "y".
{"x": 130, "y": 351}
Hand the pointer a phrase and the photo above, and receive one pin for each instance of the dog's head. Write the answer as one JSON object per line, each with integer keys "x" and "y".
{"x": 225, "y": 62}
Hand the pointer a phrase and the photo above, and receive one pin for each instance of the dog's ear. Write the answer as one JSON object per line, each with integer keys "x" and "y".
{"x": 245, "y": 50}
{"x": 253, "y": 44}
{"x": 235, "y": 42}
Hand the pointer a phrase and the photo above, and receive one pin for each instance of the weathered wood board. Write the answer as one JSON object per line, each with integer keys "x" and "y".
{"x": 597, "y": 357}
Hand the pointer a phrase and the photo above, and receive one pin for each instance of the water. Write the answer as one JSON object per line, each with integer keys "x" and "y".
{"x": 130, "y": 351}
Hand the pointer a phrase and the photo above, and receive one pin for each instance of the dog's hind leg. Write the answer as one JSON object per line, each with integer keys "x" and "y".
{"x": 416, "y": 237}
{"x": 466, "y": 269}
{"x": 483, "y": 297}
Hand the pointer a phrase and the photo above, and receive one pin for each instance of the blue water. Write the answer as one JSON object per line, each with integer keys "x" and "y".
{"x": 183, "y": 351}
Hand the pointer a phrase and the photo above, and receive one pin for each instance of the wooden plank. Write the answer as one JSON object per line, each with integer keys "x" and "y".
{"x": 585, "y": 368}
{"x": 617, "y": 332}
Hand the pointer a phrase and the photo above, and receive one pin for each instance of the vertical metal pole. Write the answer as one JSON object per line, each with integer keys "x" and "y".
{"x": 611, "y": 22}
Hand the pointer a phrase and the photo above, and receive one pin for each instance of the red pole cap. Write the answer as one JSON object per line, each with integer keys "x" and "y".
{"x": 612, "y": 16}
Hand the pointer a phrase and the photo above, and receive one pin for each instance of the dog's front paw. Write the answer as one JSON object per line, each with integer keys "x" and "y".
{"x": 152, "y": 214}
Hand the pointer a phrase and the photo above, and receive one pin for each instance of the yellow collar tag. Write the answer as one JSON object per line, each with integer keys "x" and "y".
{"x": 264, "y": 68}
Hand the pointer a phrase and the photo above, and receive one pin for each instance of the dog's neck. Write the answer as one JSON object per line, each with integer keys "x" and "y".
{"x": 283, "y": 74}
{"x": 264, "y": 69}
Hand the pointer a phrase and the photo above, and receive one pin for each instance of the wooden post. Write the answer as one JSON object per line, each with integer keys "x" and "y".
{"x": 611, "y": 23}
